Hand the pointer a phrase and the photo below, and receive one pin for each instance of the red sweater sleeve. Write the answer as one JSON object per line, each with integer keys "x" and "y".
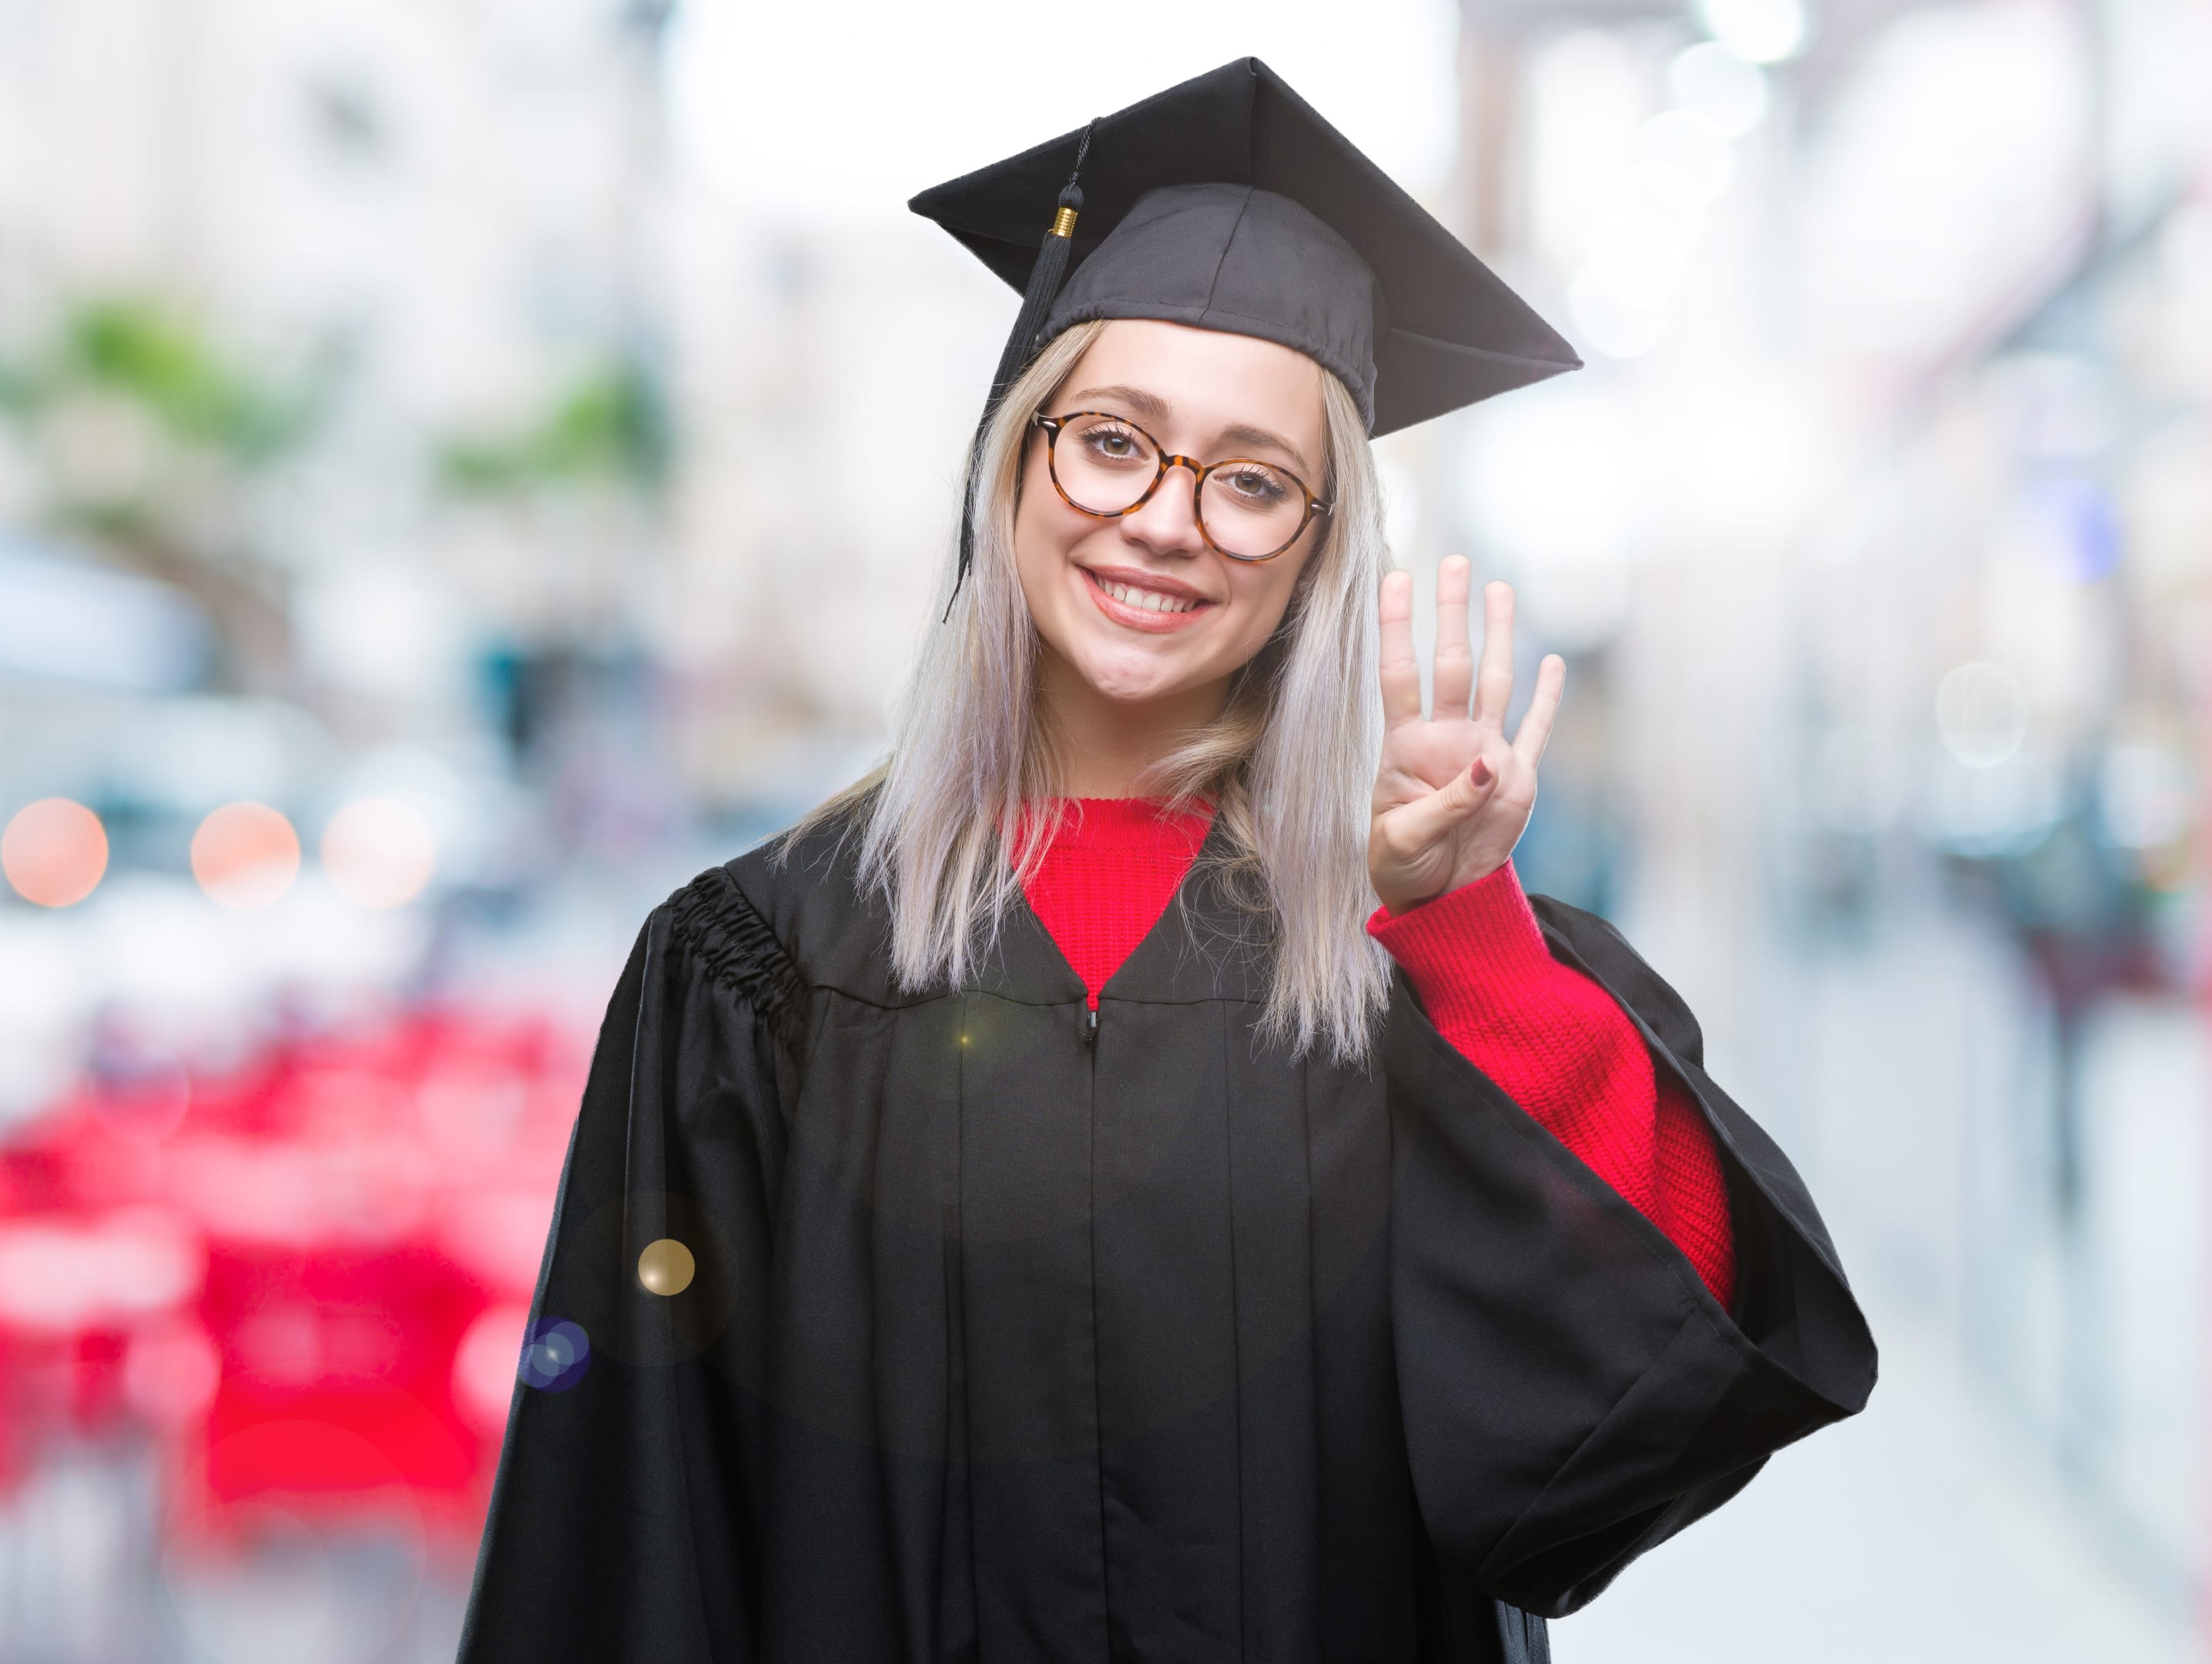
{"x": 1564, "y": 1051}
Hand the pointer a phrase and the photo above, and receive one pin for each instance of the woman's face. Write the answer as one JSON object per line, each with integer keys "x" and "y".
{"x": 1091, "y": 583}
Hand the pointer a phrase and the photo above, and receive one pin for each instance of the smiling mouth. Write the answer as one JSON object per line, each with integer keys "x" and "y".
{"x": 1143, "y": 601}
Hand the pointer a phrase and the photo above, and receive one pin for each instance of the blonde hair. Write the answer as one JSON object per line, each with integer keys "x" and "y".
{"x": 1289, "y": 763}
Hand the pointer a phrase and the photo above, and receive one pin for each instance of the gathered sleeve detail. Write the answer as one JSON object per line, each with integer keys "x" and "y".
{"x": 735, "y": 947}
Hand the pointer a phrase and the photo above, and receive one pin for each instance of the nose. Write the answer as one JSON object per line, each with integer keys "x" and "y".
{"x": 1167, "y": 524}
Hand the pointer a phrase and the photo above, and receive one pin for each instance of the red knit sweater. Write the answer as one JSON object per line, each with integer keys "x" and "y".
{"x": 1549, "y": 1036}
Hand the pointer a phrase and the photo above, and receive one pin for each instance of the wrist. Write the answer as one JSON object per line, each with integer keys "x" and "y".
{"x": 1487, "y": 924}
{"x": 1399, "y": 902}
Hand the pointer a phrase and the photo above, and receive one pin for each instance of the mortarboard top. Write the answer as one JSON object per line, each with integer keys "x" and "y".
{"x": 1350, "y": 269}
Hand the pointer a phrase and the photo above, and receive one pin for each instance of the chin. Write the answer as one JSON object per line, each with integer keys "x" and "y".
{"x": 1131, "y": 678}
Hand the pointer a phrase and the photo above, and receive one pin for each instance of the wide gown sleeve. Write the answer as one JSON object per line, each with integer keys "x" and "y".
{"x": 622, "y": 1526}
{"x": 1566, "y": 1053}
{"x": 1572, "y": 1392}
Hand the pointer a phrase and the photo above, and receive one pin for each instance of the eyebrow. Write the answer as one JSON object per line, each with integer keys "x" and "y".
{"x": 1263, "y": 437}
{"x": 1153, "y": 408}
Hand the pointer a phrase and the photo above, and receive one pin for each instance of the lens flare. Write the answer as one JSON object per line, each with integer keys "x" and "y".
{"x": 245, "y": 856}
{"x": 666, "y": 1266}
{"x": 54, "y": 852}
{"x": 554, "y": 1354}
{"x": 380, "y": 852}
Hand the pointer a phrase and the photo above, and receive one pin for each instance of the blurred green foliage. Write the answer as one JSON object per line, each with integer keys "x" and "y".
{"x": 146, "y": 433}
{"x": 611, "y": 427}
{"x": 163, "y": 361}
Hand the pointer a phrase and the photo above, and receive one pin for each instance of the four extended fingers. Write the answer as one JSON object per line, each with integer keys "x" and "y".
{"x": 1492, "y": 680}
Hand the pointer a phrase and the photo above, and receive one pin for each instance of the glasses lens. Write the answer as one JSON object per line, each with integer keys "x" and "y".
{"x": 1104, "y": 463}
{"x": 1251, "y": 509}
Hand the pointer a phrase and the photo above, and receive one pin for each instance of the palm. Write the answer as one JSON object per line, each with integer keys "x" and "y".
{"x": 1434, "y": 827}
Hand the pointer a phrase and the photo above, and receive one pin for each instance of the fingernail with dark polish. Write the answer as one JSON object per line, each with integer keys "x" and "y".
{"x": 1480, "y": 772}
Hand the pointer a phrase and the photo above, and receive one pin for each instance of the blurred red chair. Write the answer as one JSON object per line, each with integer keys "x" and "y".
{"x": 306, "y": 1275}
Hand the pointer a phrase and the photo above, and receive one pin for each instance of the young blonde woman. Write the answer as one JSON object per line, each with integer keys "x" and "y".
{"x": 1044, "y": 1208}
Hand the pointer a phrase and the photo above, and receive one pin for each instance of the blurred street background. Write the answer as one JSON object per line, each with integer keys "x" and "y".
{"x": 431, "y": 529}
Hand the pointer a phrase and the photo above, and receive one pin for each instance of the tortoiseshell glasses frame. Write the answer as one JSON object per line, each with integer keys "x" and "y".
{"x": 1200, "y": 472}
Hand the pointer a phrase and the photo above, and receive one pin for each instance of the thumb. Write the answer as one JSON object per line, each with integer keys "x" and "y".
{"x": 1428, "y": 819}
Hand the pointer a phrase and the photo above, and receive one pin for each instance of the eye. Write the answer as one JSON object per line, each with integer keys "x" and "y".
{"x": 1109, "y": 443}
{"x": 1255, "y": 484}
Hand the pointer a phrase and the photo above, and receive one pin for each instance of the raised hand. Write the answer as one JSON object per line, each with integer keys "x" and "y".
{"x": 1452, "y": 796}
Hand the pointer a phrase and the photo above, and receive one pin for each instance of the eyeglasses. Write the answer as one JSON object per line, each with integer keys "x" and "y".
{"x": 1245, "y": 508}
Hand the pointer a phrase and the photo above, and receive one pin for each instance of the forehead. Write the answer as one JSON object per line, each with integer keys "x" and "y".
{"x": 1210, "y": 380}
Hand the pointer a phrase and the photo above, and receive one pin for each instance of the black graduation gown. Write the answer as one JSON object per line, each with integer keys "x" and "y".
{"x": 1008, "y": 1341}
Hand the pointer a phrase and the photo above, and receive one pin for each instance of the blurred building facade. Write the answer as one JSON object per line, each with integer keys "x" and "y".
{"x": 332, "y": 441}
{"x": 1881, "y": 520}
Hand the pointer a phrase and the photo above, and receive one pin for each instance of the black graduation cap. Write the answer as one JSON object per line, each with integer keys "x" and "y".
{"x": 1229, "y": 203}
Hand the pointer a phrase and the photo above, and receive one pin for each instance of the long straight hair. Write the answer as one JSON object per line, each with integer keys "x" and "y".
{"x": 1289, "y": 763}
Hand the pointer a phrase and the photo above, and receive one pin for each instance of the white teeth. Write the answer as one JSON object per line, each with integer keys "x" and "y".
{"x": 1145, "y": 601}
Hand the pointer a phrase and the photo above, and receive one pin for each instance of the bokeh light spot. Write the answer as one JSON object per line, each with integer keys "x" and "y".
{"x": 380, "y": 852}
{"x": 1981, "y": 711}
{"x": 1710, "y": 80}
{"x": 1762, "y": 31}
{"x": 54, "y": 852}
{"x": 666, "y": 1266}
{"x": 484, "y": 1366}
{"x": 170, "y": 1372}
{"x": 245, "y": 856}
{"x": 1686, "y": 165}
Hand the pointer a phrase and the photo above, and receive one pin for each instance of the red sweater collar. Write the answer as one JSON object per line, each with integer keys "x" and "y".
{"x": 1127, "y": 824}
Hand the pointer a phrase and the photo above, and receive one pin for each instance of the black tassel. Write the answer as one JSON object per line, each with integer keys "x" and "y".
{"x": 1045, "y": 279}
{"x": 1036, "y": 300}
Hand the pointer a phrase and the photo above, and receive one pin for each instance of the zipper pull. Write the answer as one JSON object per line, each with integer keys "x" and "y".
{"x": 1091, "y": 1027}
